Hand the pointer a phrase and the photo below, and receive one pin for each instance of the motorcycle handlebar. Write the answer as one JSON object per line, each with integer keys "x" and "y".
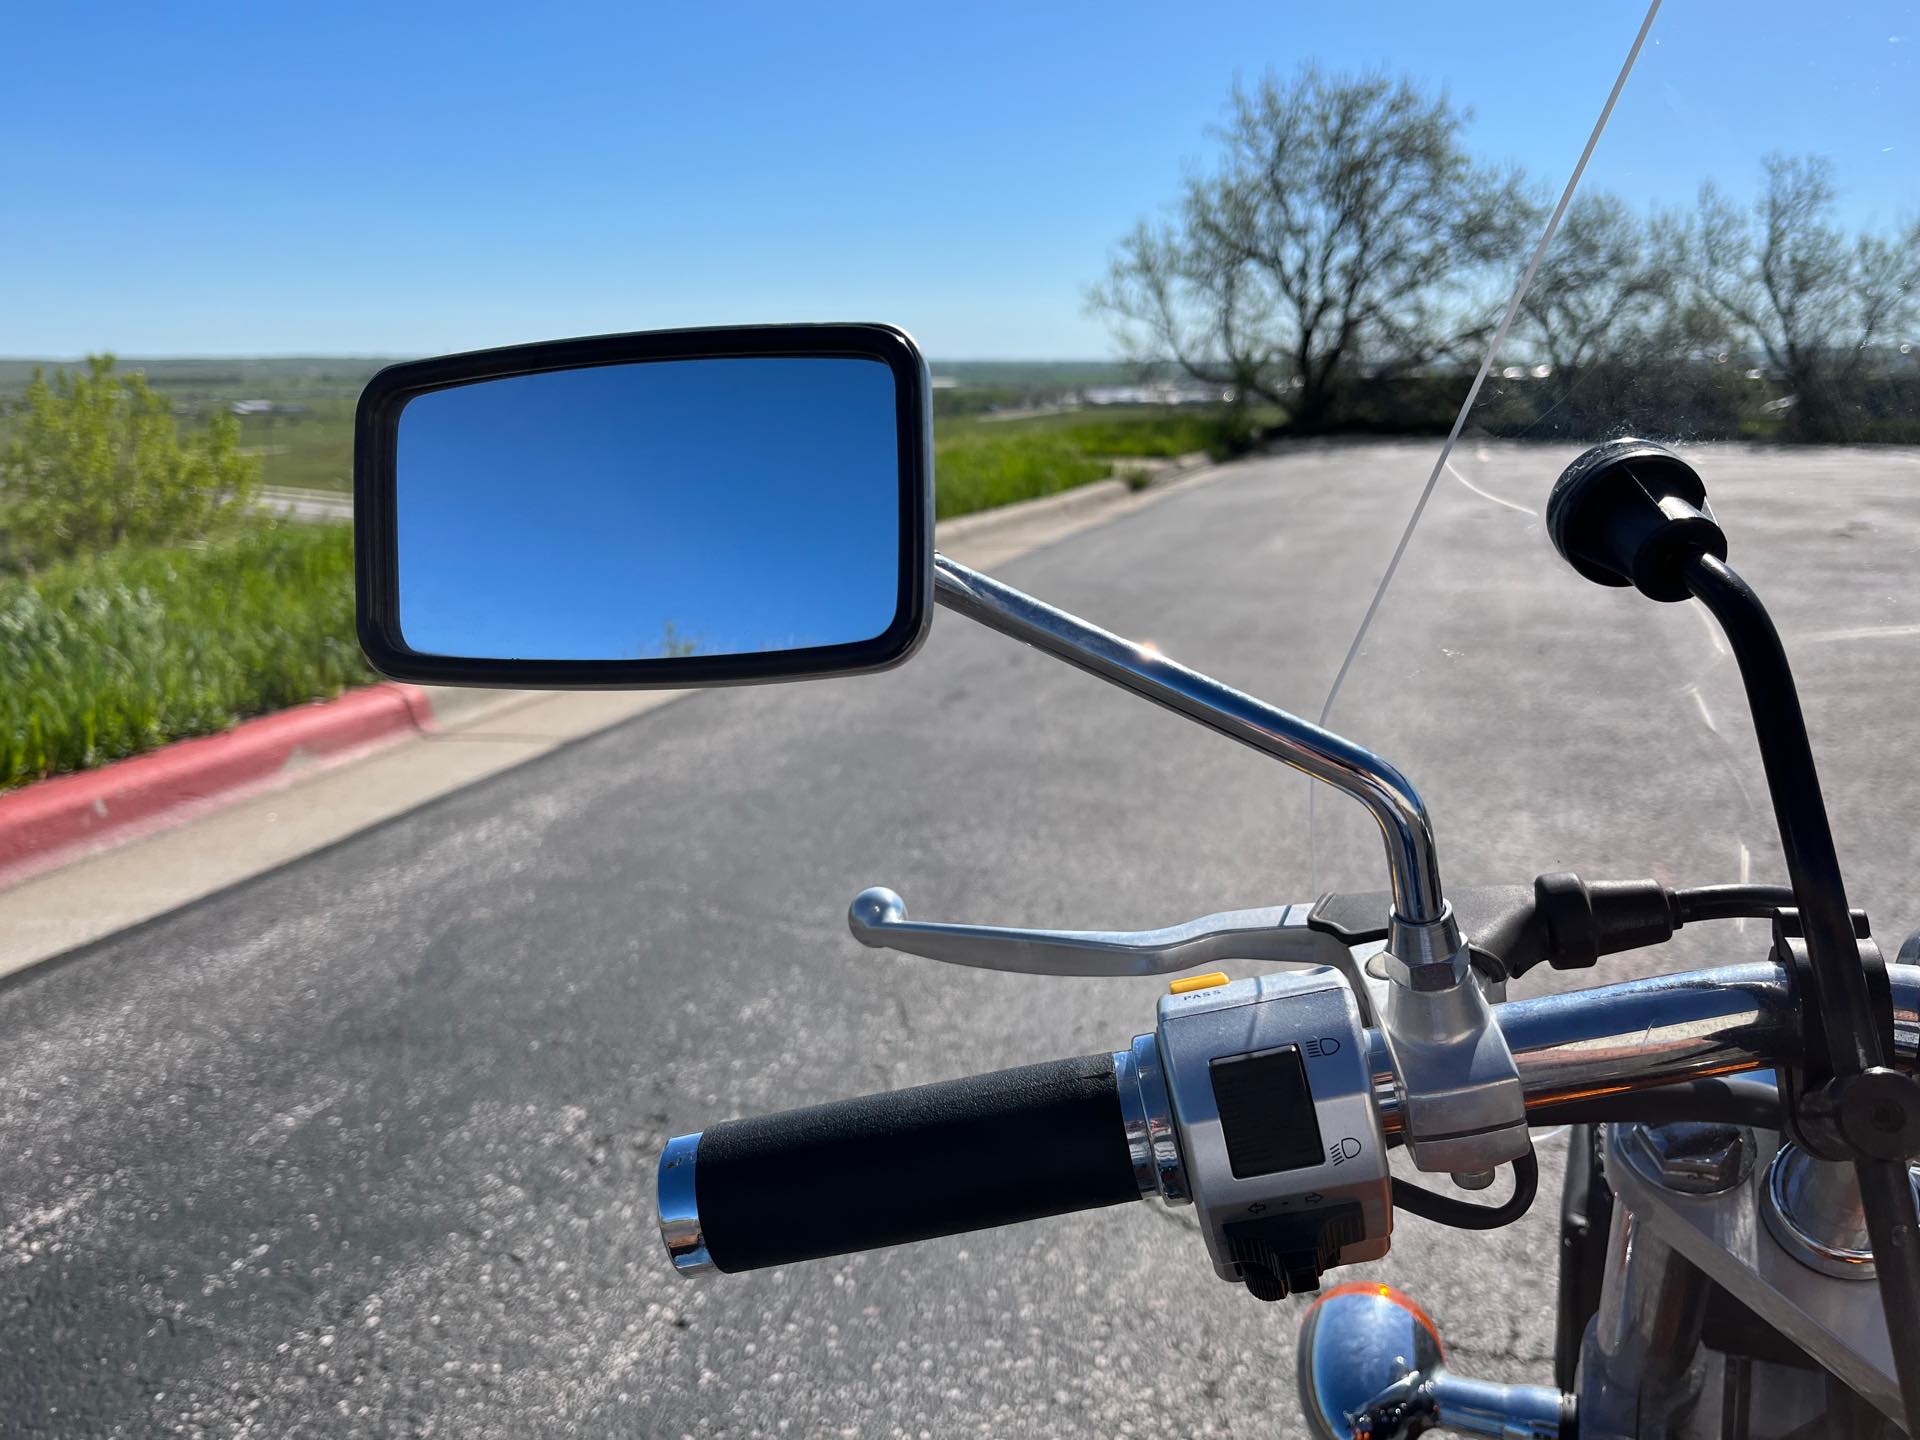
{"x": 1047, "y": 1139}
{"x": 896, "y": 1167}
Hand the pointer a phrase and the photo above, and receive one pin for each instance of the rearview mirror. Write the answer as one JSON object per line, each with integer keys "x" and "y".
{"x": 678, "y": 508}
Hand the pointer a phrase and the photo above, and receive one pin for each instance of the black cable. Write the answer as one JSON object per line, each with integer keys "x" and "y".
{"x": 1728, "y": 1102}
{"x": 1445, "y": 1210}
{"x": 1569, "y": 923}
{"x": 1695, "y": 903}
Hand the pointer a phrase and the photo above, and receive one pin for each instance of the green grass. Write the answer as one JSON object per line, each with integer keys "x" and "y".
{"x": 313, "y": 451}
{"x": 1055, "y": 422}
{"x": 1180, "y": 433}
{"x": 127, "y": 651}
{"x": 1129, "y": 430}
{"x": 977, "y": 472}
{"x": 980, "y": 462}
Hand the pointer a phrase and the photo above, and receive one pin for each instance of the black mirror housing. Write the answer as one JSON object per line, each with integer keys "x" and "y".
{"x": 482, "y": 561}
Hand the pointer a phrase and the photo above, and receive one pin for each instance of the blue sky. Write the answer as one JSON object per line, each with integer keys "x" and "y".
{"x": 401, "y": 179}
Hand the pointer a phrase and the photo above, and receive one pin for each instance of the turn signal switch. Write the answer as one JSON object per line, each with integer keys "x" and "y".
{"x": 1254, "y": 1099}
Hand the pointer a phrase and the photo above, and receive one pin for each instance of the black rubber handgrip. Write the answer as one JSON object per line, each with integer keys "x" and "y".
{"x": 912, "y": 1164}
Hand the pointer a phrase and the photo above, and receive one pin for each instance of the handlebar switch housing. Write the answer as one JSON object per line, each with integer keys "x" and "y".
{"x": 1281, "y": 1255}
{"x": 1273, "y": 1102}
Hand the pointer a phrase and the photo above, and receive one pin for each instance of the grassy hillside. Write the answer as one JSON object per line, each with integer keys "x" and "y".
{"x": 306, "y": 439}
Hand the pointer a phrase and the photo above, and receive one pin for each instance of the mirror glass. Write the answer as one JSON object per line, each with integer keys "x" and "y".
{"x": 654, "y": 510}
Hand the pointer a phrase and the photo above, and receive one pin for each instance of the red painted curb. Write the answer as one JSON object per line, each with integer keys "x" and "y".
{"x": 47, "y": 819}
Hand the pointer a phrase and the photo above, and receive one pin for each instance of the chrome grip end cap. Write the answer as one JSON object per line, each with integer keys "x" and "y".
{"x": 1146, "y": 1112}
{"x": 679, "y": 1206}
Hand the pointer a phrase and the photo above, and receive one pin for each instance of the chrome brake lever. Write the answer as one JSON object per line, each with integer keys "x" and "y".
{"x": 878, "y": 919}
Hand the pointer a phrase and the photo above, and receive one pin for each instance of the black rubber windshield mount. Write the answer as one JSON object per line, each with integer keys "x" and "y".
{"x": 1631, "y": 512}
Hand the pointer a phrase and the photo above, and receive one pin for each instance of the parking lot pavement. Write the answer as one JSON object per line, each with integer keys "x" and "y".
{"x": 365, "y": 1144}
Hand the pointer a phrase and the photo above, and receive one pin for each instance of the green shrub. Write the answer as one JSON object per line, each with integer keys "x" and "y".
{"x": 108, "y": 656}
{"x": 96, "y": 460}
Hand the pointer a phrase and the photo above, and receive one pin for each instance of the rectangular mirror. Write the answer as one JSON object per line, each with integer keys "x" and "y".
{"x": 692, "y": 507}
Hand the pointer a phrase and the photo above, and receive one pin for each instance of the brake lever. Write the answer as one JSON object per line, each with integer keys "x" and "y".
{"x": 1280, "y": 933}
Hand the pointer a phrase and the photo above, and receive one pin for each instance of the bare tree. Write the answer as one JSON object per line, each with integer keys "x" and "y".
{"x": 1214, "y": 321}
{"x": 1790, "y": 283}
{"x": 1343, "y": 224}
{"x": 1603, "y": 284}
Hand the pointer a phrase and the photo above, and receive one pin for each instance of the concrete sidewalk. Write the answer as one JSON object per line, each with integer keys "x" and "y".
{"x": 480, "y": 734}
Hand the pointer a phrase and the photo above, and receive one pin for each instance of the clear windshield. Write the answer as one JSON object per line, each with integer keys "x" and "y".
{"x": 1734, "y": 277}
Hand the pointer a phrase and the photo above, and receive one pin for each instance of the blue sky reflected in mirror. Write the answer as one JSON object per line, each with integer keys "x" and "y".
{"x": 713, "y": 507}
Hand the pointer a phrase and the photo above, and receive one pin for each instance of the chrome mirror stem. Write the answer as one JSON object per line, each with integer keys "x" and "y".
{"x": 1349, "y": 768}
{"x": 1458, "y": 1083}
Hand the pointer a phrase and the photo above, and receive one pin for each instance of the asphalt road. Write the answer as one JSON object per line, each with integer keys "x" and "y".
{"x": 365, "y": 1146}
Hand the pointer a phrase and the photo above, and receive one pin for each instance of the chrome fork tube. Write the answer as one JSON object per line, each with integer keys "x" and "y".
{"x": 1640, "y": 1366}
{"x": 1652, "y": 1302}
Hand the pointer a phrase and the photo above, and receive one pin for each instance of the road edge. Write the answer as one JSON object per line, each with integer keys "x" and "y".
{"x": 44, "y": 824}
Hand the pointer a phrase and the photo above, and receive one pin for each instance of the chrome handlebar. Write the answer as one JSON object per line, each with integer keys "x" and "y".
{"x": 1642, "y": 1034}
